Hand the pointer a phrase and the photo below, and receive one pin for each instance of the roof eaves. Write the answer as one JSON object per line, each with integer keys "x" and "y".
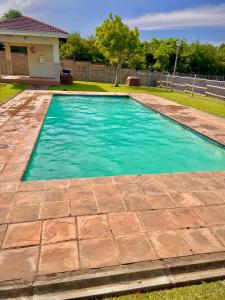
{"x": 34, "y": 33}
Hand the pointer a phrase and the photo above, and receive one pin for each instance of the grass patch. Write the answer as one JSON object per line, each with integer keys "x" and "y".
{"x": 206, "y": 104}
{"x": 8, "y": 90}
{"x": 206, "y": 291}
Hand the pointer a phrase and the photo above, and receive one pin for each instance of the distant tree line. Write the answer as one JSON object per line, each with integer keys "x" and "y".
{"x": 157, "y": 54}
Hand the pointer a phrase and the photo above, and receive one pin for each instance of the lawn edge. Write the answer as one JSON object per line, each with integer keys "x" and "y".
{"x": 145, "y": 276}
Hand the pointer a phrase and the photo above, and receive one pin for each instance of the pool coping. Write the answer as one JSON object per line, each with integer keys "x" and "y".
{"x": 21, "y": 119}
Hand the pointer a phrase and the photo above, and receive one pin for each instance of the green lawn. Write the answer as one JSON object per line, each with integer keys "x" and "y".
{"x": 8, "y": 90}
{"x": 207, "y": 104}
{"x": 205, "y": 291}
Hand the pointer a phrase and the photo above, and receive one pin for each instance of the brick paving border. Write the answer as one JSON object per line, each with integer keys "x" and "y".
{"x": 53, "y": 228}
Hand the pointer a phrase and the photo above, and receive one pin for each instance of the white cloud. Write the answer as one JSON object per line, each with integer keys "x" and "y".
{"x": 202, "y": 16}
{"x": 5, "y": 5}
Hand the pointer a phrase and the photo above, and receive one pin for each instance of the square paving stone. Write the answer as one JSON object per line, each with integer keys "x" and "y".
{"x": 77, "y": 194}
{"x": 57, "y": 195}
{"x": 128, "y": 188}
{"x": 156, "y": 220}
{"x": 55, "y": 209}
{"x": 56, "y": 184}
{"x": 81, "y": 207}
{"x": 222, "y": 208}
{"x": 134, "y": 248}
{"x": 210, "y": 197}
{"x": 6, "y": 199}
{"x": 153, "y": 187}
{"x": 114, "y": 204}
{"x": 184, "y": 218}
{"x": 202, "y": 241}
{"x": 124, "y": 223}
{"x": 169, "y": 243}
{"x": 191, "y": 182}
{"x": 220, "y": 176}
{"x": 213, "y": 184}
{"x": 2, "y": 233}
{"x": 105, "y": 191}
{"x": 24, "y": 213}
{"x": 59, "y": 230}
{"x": 97, "y": 253}
{"x": 186, "y": 199}
{"x": 136, "y": 201}
{"x": 101, "y": 181}
{"x": 32, "y": 186}
{"x": 57, "y": 258}
{"x": 161, "y": 201}
{"x": 219, "y": 232}
{"x": 126, "y": 179}
{"x": 81, "y": 183}
{"x": 19, "y": 264}
{"x": 22, "y": 234}
{"x": 9, "y": 186}
{"x": 171, "y": 183}
{"x": 4, "y": 212}
{"x": 210, "y": 215}
{"x": 27, "y": 198}
{"x": 93, "y": 226}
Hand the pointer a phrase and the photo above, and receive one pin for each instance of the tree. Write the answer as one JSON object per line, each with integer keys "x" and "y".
{"x": 12, "y": 14}
{"x": 73, "y": 48}
{"x": 116, "y": 41}
{"x": 203, "y": 59}
{"x": 78, "y": 48}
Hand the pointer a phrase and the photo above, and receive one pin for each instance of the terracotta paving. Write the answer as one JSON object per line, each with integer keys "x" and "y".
{"x": 59, "y": 226}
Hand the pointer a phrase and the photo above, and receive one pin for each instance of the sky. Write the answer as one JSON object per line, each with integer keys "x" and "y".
{"x": 191, "y": 19}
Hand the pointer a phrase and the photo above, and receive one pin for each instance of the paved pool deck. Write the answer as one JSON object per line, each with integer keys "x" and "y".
{"x": 55, "y": 231}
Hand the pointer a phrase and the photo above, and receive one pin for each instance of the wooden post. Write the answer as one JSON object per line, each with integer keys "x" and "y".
{"x": 8, "y": 57}
{"x": 193, "y": 86}
{"x": 206, "y": 91}
{"x": 150, "y": 75}
{"x": 90, "y": 71}
{"x": 167, "y": 80}
{"x": 105, "y": 73}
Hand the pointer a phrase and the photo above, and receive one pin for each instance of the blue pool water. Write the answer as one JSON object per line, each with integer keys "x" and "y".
{"x": 90, "y": 136}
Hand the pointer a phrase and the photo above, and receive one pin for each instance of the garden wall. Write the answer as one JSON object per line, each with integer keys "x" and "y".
{"x": 82, "y": 70}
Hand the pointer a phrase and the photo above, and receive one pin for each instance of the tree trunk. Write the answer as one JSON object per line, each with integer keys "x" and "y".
{"x": 117, "y": 74}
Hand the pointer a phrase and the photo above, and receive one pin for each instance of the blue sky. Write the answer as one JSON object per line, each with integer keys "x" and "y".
{"x": 192, "y": 19}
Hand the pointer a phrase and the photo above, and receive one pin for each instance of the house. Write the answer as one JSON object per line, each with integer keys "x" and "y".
{"x": 39, "y": 61}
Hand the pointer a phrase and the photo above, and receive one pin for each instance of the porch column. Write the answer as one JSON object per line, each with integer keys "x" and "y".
{"x": 56, "y": 60}
{"x": 8, "y": 57}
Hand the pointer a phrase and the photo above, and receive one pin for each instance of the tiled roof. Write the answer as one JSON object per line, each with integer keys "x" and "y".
{"x": 28, "y": 24}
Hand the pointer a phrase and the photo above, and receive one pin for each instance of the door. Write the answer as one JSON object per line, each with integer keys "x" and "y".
{"x": 19, "y": 61}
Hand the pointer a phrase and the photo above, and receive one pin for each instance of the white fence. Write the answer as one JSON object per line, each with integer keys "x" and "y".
{"x": 193, "y": 85}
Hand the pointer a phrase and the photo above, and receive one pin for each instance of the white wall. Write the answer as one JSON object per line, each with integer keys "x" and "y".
{"x": 44, "y": 61}
{"x": 41, "y": 62}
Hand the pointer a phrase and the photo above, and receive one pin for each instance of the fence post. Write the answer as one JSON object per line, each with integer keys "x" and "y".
{"x": 206, "y": 91}
{"x": 193, "y": 86}
{"x": 150, "y": 75}
{"x": 90, "y": 70}
{"x": 105, "y": 73}
{"x": 167, "y": 81}
{"x": 113, "y": 74}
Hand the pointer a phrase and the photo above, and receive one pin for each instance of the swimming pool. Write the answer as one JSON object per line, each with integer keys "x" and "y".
{"x": 91, "y": 136}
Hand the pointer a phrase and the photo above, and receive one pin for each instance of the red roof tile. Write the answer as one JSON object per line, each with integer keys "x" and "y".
{"x": 28, "y": 24}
